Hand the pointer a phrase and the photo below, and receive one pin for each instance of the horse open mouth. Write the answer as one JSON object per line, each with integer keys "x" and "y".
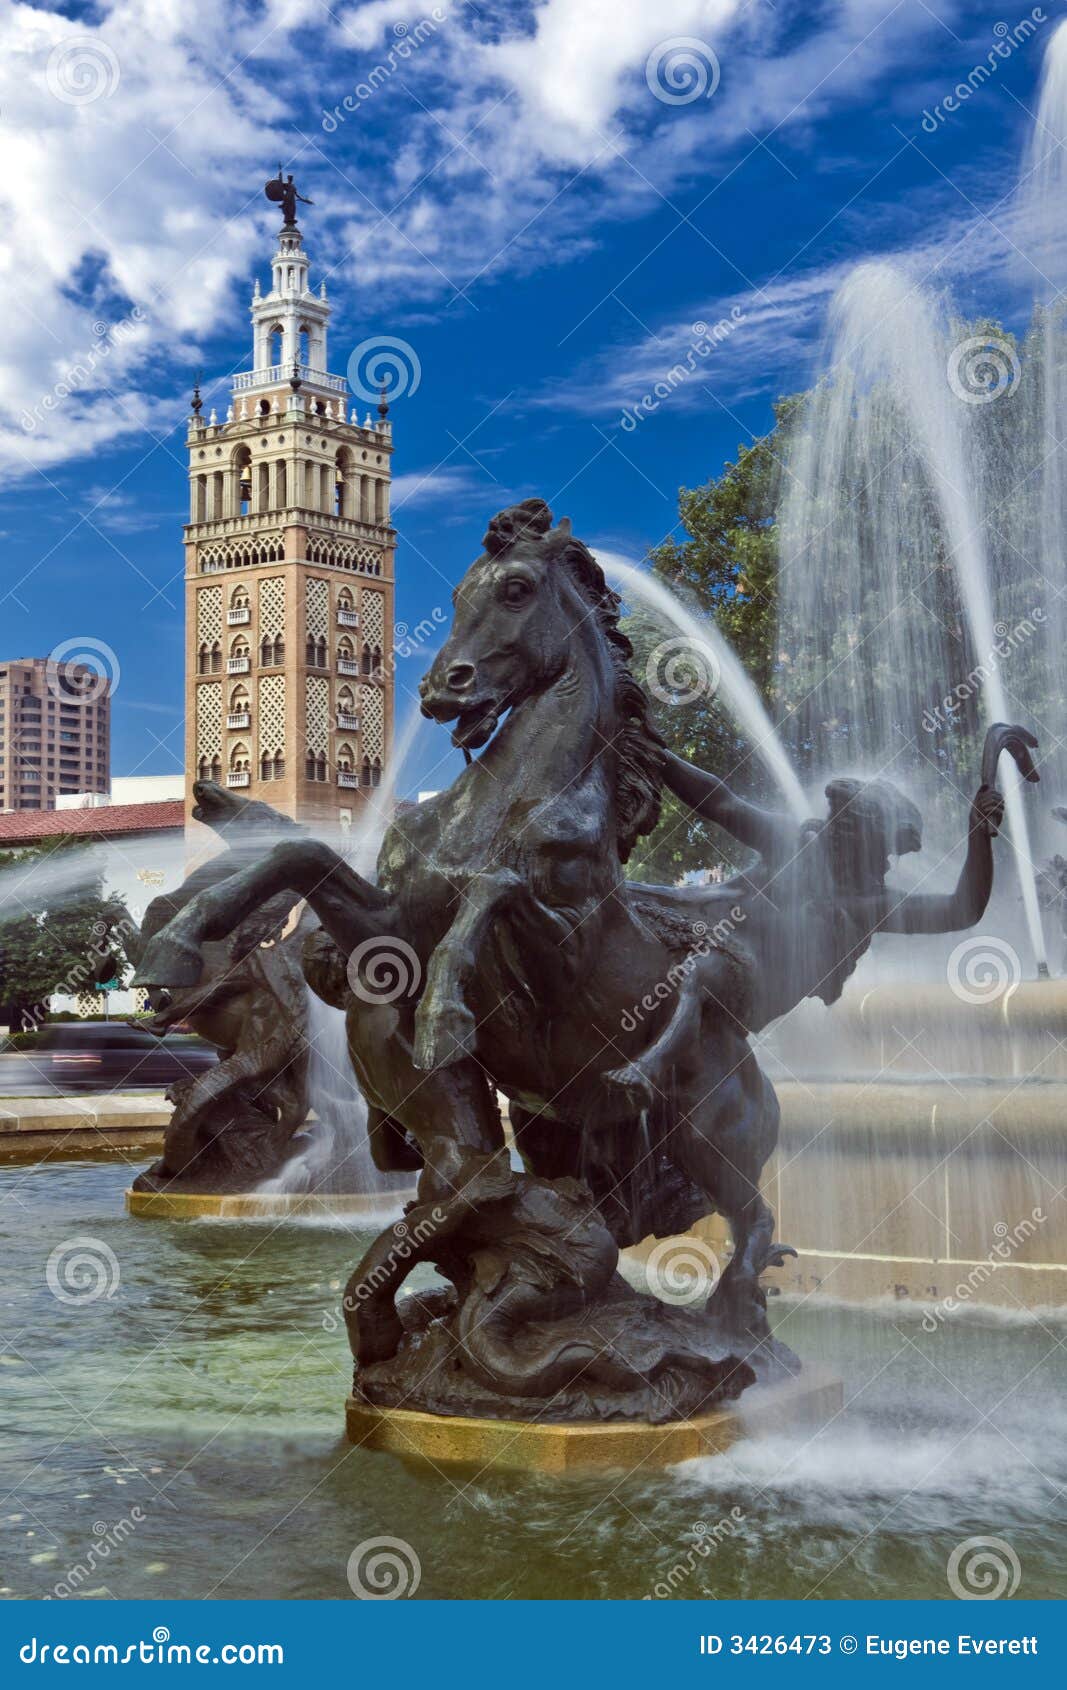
{"x": 475, "y": 727}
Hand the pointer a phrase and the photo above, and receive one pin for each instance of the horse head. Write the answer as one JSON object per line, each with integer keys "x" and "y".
{"x": 523, "y": 610}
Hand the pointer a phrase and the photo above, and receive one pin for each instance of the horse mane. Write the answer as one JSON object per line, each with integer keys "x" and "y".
{"x": 638, "y": 745}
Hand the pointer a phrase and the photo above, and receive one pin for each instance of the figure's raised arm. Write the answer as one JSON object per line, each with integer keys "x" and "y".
{"x": 767, "y": 831}
{"x": 949, "y": 912}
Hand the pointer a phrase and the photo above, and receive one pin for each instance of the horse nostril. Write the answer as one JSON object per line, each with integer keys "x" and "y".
{"x": 460, "y": 677}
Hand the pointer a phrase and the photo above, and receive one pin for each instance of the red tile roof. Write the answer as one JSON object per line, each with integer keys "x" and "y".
{"x": 26, "y": 827}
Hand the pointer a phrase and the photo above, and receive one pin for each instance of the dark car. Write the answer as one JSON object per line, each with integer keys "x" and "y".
{"x": 110, "y": 1056}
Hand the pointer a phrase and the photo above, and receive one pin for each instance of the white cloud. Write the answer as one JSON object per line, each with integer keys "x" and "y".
{"x": 492, "y": 143}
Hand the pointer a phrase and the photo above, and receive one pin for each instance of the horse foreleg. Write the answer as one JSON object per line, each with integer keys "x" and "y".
{"x": 445, "y": 1026}
{"x": 348, "y": 906}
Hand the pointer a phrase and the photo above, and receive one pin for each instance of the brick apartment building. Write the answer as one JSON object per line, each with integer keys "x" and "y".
{"x": 55, "y": 732}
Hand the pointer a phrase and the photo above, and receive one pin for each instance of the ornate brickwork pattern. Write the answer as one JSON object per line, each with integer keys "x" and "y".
{"x": 317, "y": 609}
{"x": 372, "y": 722}
{"x": 208, "y": 615}
{"x": 272, "y": 608}
{"x": 240, "y": 554}
{"x": 318, "y": 713}
{"x": 209, "y": 720}
{"x": 372, "y": 615}
{"x": 272, "y": 715}
{"x": 343, "y": 554}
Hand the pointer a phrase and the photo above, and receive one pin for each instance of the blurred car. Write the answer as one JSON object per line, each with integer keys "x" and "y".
{"x": 111, "y": 1056}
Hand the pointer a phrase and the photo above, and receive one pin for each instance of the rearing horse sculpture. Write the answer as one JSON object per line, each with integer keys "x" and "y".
{"x": 519, "y": 949}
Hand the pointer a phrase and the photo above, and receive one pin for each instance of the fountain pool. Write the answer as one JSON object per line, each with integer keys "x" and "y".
{"x": 201, "y": 1403}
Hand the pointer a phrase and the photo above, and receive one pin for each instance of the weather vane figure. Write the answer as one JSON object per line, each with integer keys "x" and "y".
{"x": 282, "y": 190}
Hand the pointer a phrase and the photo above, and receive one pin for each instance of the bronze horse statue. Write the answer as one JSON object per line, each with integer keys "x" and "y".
{"x": 517, "y": 951}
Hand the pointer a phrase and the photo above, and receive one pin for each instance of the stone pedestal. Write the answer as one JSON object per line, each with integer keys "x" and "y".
{"x": 534, "y": 1446}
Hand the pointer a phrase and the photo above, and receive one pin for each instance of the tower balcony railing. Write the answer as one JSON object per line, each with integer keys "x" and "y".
{"x": 239, "y": 616}
{"x": 348, "y": 778}
{"x": 347, "y": 618}
{"x": 347, "y": 721}
{"x": 275, "y": 374}
{"x": 347, "y": 666}
{"x": 238, "y": 777}
{"x": 285, "y": 516}
{"x": 238, "y": 719}
{"x": 238, "y": 665}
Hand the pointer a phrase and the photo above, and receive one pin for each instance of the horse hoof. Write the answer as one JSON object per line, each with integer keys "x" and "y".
{"x": 777, "y": 1253}
{"x": 632, "y": 1084}
{"x": 444, "y": 1036}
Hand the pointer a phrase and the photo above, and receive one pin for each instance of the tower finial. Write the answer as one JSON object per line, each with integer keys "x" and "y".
{"x": 383, "y": 403}
{"x": 281, "y": 190}
{"x": 198, "y": 403}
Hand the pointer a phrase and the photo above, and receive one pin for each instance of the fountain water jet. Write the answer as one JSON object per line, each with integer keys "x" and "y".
{"x": 884, "y": 487}
{"x": 737, "y": 690}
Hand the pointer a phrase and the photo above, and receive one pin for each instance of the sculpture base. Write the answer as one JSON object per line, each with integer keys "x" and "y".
{"x": 542, "y": 1447}
{"x": 250, "y": 1205}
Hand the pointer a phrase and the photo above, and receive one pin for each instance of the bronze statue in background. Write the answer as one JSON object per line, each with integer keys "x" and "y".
{"x": 232, "y": 1124}
{"x": 502, "y": 949}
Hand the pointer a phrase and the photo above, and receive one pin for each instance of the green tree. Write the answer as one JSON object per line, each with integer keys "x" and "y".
{"x": 726, "y": 567}
{"x": 59, "y": 931}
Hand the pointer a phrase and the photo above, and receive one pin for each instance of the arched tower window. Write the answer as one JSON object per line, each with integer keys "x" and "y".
{"x": 241, "y": 502}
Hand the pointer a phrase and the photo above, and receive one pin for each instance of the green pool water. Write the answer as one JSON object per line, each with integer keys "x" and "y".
{"x": 182, "y": 1437}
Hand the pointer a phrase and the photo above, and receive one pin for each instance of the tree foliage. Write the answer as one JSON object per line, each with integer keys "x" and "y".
{"x": 725, "y": 566}
{"x": 58, "y": 932}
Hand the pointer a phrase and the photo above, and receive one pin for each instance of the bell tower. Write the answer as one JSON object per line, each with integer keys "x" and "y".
{"x": 289, "y": 568}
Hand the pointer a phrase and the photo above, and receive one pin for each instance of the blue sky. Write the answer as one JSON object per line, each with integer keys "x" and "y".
{"x": 513, "y": 197}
